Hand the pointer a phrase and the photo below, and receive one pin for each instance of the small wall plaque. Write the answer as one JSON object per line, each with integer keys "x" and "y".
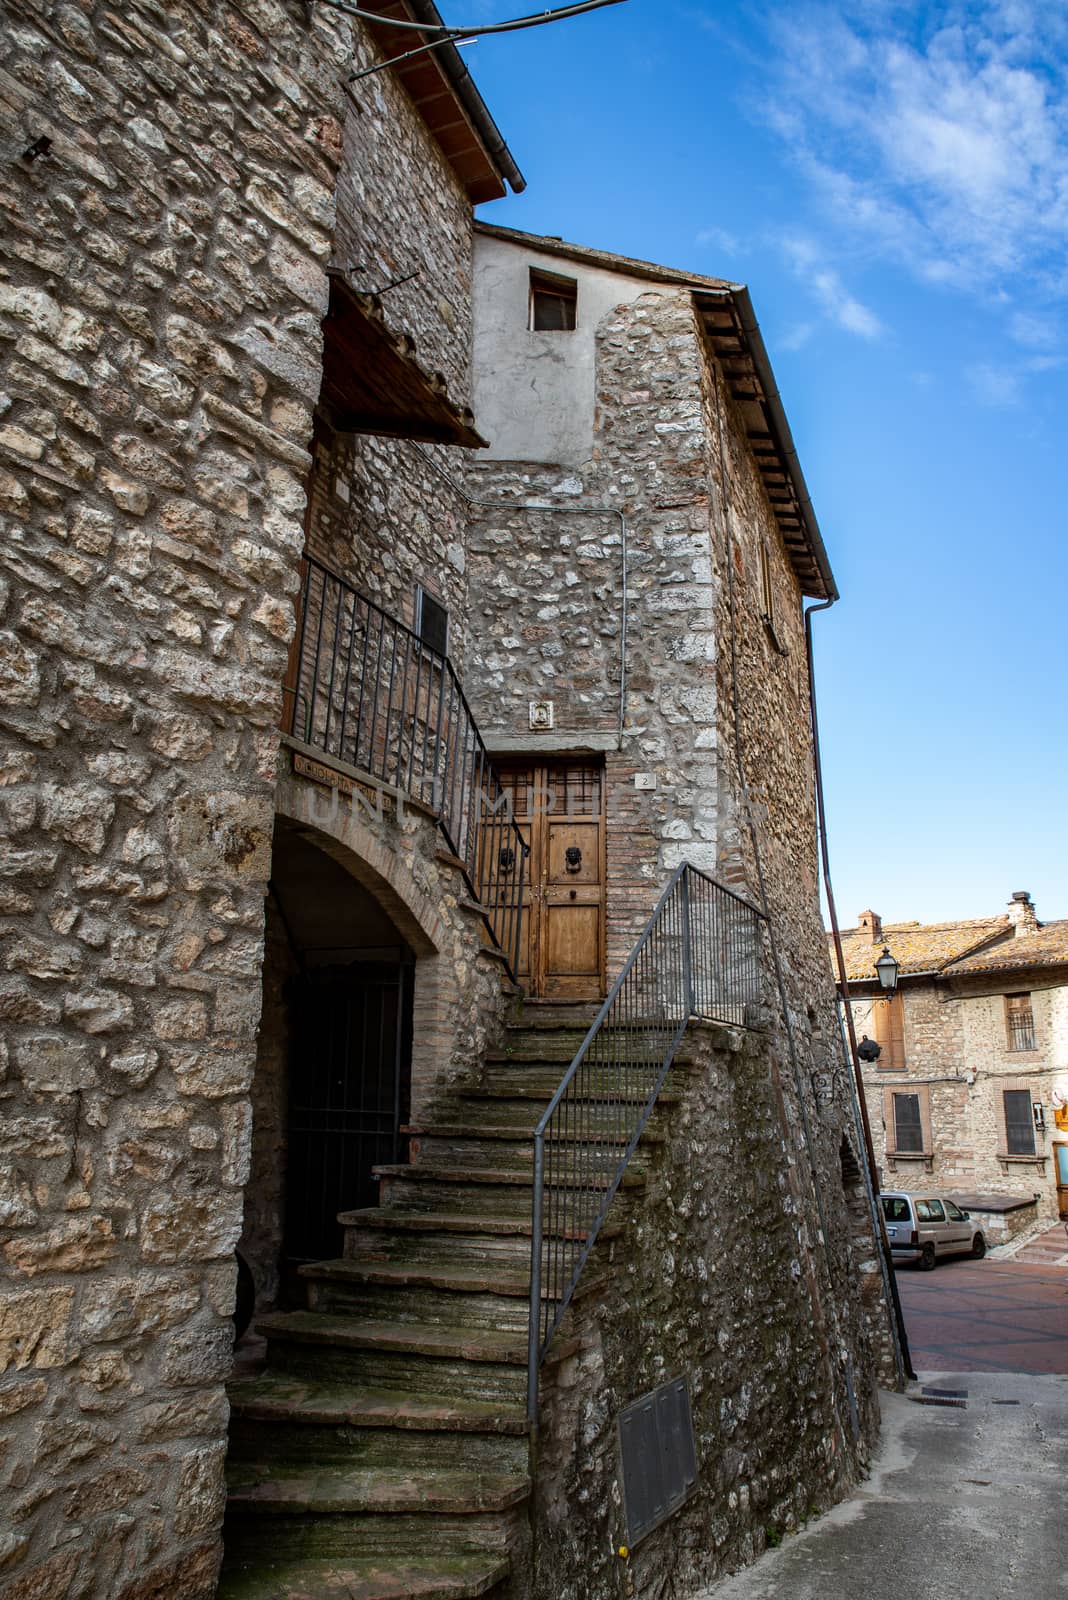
{"x": 541, "y": 716}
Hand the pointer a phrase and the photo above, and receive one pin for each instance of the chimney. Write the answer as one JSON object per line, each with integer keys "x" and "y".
{"x": 872, "y": 925}
{"x": 1022, "y": 914}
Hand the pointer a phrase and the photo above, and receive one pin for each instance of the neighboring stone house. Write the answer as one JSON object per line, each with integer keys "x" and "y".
{"x": 251, "y": 979}
{"x": 969, "y": 1094}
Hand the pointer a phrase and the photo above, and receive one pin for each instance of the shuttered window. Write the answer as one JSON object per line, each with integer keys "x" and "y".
{"x": 1019, "y": 1123}
{"x": 888, "y": 1020}
{"x": 908, "y": 1124}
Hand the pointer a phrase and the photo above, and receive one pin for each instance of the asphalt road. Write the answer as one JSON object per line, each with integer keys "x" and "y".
{"x": 986, "y": 1316}
{"x": 963, "y": 1503}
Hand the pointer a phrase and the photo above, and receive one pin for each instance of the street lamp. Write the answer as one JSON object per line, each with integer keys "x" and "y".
{"x": 886, "y": 970}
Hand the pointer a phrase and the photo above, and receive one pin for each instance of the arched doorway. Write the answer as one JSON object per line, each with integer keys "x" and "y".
{"x": 333, "y": 1075}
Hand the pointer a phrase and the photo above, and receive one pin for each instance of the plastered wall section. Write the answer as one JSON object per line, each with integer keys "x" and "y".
{"x": 160, "y": 301}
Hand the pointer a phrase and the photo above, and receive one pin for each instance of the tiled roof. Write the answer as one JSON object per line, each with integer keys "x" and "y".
{"x": 1047, "y": 947}
{"x": 918, "y": 947}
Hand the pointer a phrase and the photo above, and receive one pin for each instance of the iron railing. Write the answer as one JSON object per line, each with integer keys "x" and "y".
{"x": 368, "y": 691}
{"x": 700, "y": 954}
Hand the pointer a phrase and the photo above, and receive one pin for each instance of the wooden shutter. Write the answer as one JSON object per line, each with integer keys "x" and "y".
{"x": 888, "y": 1020}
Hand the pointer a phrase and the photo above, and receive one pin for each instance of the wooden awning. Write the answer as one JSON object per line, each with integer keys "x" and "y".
{"x": 372, "y": 382}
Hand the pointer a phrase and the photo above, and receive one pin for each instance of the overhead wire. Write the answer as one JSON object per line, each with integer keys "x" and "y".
{"x": 458, "y": 36}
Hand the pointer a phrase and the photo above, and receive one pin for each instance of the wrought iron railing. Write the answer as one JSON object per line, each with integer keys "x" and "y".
{"x": 368, "y": 691}
{"x": 700, "y": 954}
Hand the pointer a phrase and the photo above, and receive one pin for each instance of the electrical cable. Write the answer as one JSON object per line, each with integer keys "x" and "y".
{"x": 457, "y": 36}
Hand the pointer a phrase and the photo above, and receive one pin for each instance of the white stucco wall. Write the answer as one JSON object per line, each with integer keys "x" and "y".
{"x": 534, "y": 393}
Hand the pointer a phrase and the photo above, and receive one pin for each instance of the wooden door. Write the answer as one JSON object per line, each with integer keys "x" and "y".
{"x": 1060, "y": 1156}
{"x": 559, "y": 809}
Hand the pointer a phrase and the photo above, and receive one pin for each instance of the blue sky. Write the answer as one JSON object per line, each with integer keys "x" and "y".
{"x": 891, "y": 181}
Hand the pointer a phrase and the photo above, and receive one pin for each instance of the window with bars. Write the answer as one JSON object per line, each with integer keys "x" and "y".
{"x": 908, "y": 1124}
{"x": 1019, "y": 1122}
{"x": 1019, "y": 1022}
{"x": 553, "y": 302}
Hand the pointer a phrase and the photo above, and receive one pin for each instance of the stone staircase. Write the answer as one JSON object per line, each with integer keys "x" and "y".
{"x": 384, "y": 1450}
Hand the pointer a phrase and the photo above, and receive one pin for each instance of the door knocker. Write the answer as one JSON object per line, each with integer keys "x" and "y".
{"x": 506, "y": 859}
{"x": 573, "y": 858}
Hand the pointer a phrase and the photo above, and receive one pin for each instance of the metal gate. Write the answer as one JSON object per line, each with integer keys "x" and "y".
{"x": 349, "y": 1094}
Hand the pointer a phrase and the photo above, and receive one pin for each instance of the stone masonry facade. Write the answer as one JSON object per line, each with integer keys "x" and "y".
{"x": 959, "y": 1051}
{"x": 171, "y": 203}
{"x": 177, "y": 181}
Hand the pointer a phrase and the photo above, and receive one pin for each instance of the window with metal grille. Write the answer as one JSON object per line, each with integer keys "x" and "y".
{"x": 908, "y": 1124}
{"x": 1019, "y": 1123}
{"x": 553, "y": 302}
{"x": 767, "y": 593}
{"x": 431, "y": 622}
{"x": 1019, "y": 1022}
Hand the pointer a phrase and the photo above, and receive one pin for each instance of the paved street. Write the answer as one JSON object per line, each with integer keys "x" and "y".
{"x": 986, "y": 1316}
{"x": 962, "y": 1503}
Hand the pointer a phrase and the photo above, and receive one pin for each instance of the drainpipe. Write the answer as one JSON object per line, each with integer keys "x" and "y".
{"x": 846, "y": 1012}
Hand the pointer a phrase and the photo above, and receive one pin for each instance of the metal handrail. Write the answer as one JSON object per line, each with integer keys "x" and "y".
{"x": 372, "y": 693}
{"x": 699, "y": 955}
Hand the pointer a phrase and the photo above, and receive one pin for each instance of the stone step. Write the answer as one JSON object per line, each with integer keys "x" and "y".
{"x": 426, "y": 1238}
{"x": 461, "y": 1578}
{"x": 497, "y": 1192}
{"x": 277, "y": 1419}
{"x": 539, "y": 1080}
{"x": 460, "y": 1145}
{"x": 554, "y": 1014}
{"x": 441, "y": 1296}
{"x": 279, "y": 1509}
{"x": 478, "y": 1363}
{"x": 638, "y": 1050}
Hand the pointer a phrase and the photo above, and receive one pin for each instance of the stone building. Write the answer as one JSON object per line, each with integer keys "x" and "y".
{"x": 969, "y": 1093}
{"x": 265, "y": 897}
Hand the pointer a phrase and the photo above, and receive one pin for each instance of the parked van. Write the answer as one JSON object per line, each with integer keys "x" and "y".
{"x": 922, "y": 1227}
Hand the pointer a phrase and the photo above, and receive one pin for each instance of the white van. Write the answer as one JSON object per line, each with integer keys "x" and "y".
{"x": 922, "y": 1227}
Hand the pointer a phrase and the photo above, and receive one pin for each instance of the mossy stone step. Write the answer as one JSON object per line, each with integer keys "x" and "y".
{"x": 282, "y": 1489}
{"x": 457, "y": 1578}
{"x": 269, "y": 1397}
{"x": 443, "y": 1276}
{"x": 380, "y": 1217}
{"x": 454, "y": 1344}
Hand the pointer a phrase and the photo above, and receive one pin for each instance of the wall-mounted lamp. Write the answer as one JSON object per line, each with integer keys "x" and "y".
{"x": 886, "y": 970}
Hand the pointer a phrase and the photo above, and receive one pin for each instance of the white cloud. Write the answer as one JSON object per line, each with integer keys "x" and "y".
{"x": 825, "y": 284}
{"x": 938, "y": 134}
{"x": 993, "y": 385}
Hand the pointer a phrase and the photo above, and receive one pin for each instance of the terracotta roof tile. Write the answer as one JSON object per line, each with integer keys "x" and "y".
{"x": 919, "y": 947}
{"x": 1047, "y": 947}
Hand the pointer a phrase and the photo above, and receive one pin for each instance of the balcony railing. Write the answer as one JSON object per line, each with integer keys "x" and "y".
{"x": 700, "y": 955}
{"x": 368, "y": 691}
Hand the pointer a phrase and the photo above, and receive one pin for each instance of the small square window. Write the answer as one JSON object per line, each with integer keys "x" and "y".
{"x": 431, "y": 622}
{"x": 553, "y": 302}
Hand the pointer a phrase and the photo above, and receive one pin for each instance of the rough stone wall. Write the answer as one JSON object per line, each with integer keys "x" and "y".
{"x": 168, "y": 191}
{"x": 547, "y": 602}
{"x": 545, "y": 595}
{"x": 706, "y": 1282}
{"x": 381, "y": 516}
{"x": 953, "y": 1032}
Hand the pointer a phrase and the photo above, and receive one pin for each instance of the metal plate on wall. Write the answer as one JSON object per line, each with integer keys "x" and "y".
{"x": 656, "y": 1450}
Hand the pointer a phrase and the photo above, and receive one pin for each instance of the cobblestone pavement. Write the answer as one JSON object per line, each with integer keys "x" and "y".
{"x": 987, "y": 1316}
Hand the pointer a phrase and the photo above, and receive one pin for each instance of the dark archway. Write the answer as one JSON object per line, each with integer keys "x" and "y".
{"x": 333, "y": 1073}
